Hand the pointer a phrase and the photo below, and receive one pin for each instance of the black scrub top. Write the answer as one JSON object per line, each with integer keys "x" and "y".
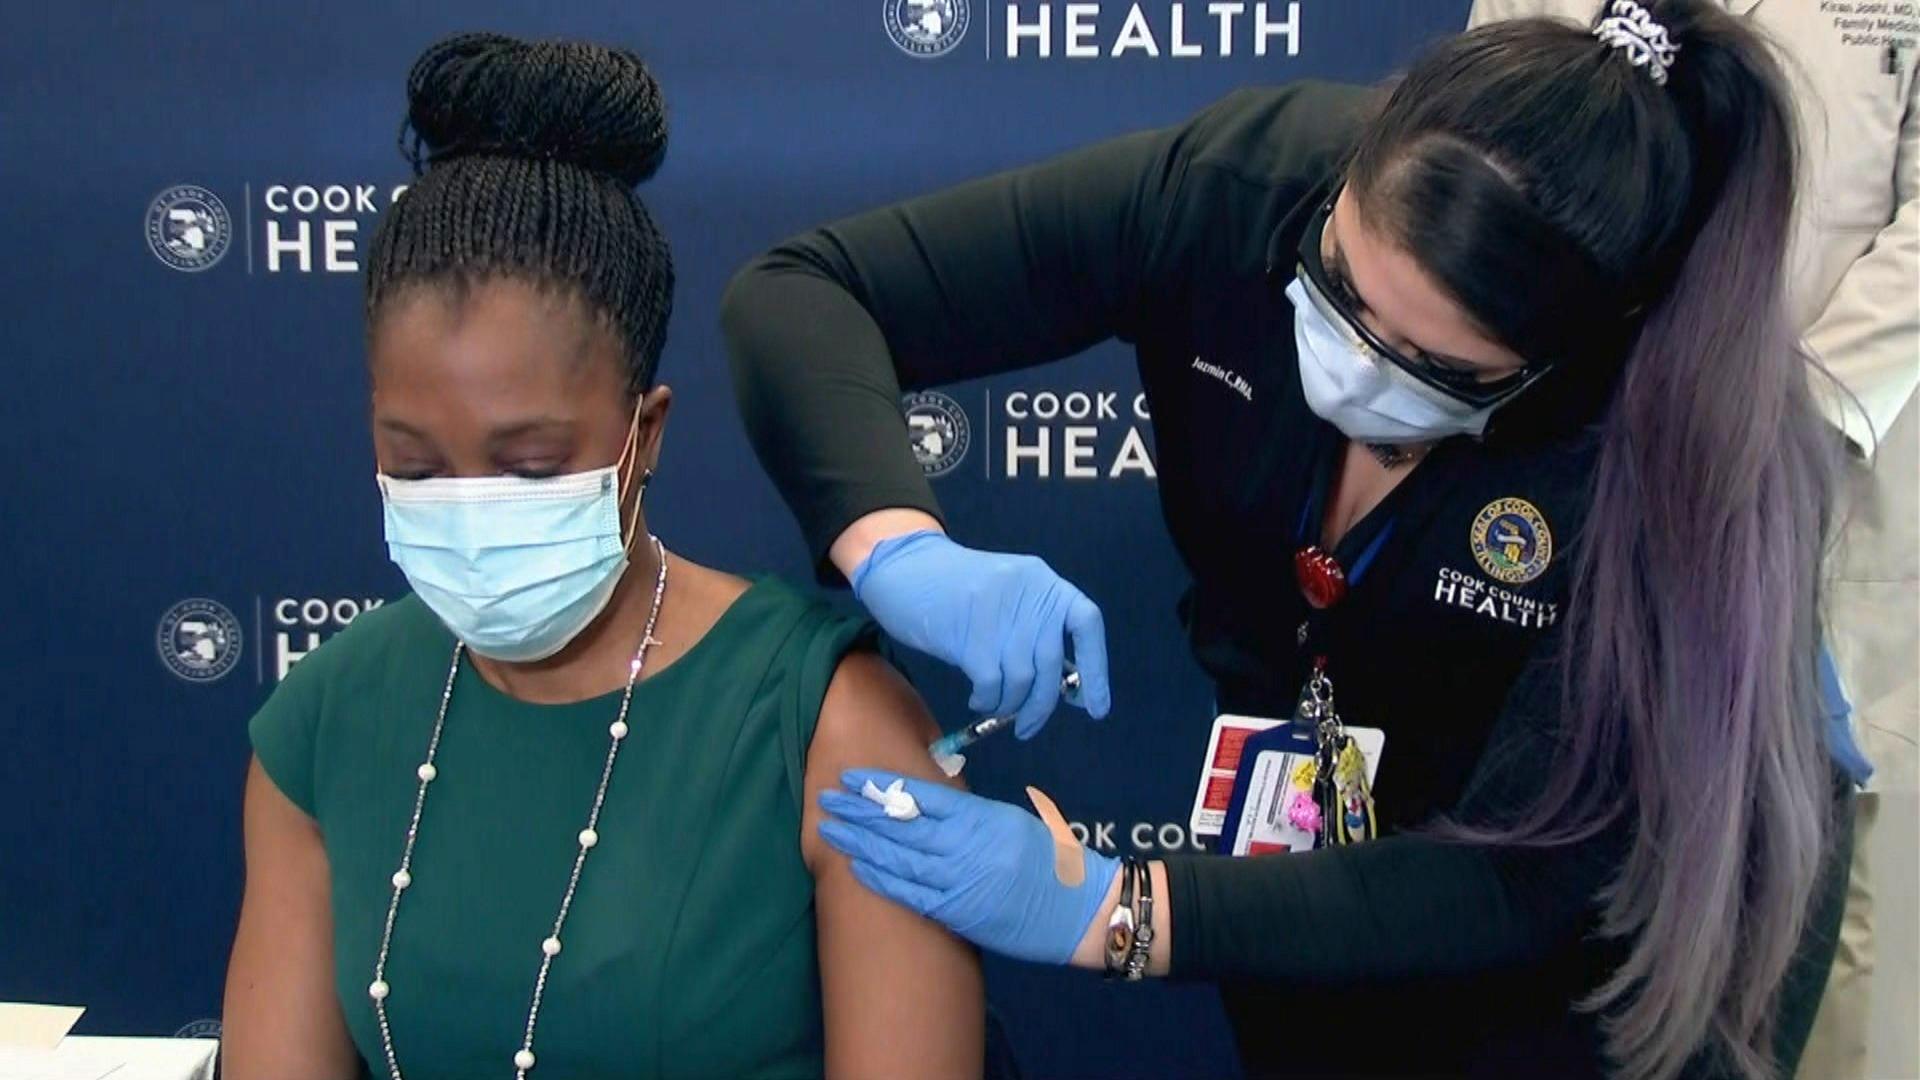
{"x": 1405, "y": 955}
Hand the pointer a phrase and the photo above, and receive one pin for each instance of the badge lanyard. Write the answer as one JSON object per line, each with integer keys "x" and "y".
{"x": 1323, "y": 583}
{"x": 1341, "y": 799}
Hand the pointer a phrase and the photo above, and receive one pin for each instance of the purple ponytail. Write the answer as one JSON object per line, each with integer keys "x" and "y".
{"x": 1694, "y": 626}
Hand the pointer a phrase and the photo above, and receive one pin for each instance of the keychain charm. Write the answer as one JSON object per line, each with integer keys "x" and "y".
{"x": 1341, "y": 798}
{"x": 1356, "y": 798}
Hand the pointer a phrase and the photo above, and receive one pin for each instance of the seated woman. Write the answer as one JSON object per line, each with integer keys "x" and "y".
{"x": 553, "y": 814}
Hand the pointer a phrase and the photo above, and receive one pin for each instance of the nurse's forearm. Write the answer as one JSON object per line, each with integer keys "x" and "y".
{"x": 1091, "y": 953}
{"x": 820, "y": 400}
{"x": 852, "y": 546}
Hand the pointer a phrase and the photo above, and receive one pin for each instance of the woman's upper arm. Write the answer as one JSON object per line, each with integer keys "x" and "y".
{"x": 282, "y": 1019}
{"x": 902, "y": 997}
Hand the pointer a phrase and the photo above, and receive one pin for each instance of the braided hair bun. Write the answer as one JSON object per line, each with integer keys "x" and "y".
{"x": 584, "y": 104}
{"x": 528, "y": 155}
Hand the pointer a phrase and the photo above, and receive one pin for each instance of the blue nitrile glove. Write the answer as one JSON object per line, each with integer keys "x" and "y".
{"x": 1002, "y": 619}
{"x": 1839, "y": 716}
{"x": 984, "y": 869}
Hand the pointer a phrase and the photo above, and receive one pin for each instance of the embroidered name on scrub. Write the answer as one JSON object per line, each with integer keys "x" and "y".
{"x": 1457, "y": 589}
{"x": 1226, "y": 375}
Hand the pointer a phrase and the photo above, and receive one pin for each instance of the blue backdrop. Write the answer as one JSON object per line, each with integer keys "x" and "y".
{"x": 188, "y": 495}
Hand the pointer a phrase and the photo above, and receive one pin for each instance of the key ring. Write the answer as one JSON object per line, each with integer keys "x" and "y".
{"x": 1316, "y": 704}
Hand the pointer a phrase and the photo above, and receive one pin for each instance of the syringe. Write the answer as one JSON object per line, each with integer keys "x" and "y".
{"x": 946, "y": 749}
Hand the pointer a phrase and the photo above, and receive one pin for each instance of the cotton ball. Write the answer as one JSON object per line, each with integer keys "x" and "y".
{"x": 896, "y": 800}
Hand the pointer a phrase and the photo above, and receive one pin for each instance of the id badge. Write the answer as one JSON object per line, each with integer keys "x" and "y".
{"x": 1224, "y": 747}
{"x": 1272, "y": 809}
{"x": 1266, "y": 763}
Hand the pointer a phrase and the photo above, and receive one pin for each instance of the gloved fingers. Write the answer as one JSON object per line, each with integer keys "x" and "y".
{"x": 1049, "y": 663}
{"x": 910, "y": 895}
{"x": 936, "y": 801}
{"x": 983, "y": 671}
{"x": 1000, "y": 616}
{"x": 1089, "y": 633}
{"x": 852, "y": 807}
{"x": 1017, "y": 674}
{"x": 870, "y": 843}
{"x": 922, "y": 833}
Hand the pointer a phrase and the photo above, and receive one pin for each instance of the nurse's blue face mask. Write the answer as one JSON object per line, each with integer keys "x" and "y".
{"x": 1366, "y": 399}
{"x": 516, "y": 567}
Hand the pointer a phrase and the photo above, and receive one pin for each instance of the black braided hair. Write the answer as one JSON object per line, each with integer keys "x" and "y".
{"x": 526, "y": 155}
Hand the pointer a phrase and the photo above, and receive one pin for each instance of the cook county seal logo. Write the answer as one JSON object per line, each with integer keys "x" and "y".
{"x": 188, "y": 227}
{"x": 199, "y": 1029}
{"x": 199, "y": 640}
{"x": 938, "y": 430}
{"x": 1511, "y": 541}
{"x": 925, "y": 28}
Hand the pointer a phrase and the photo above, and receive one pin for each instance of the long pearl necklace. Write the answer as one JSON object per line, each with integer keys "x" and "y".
{"x": 403, "y": 877}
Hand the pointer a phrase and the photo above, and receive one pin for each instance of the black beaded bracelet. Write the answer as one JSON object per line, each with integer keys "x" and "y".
{"x": 1143, "y": 926}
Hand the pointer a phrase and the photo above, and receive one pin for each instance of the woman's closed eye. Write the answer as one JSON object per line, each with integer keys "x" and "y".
{"x": 524, "y": 472}
{"x": 1442, "y": 369}
{"x": 1450, "y": 372}
{"x": 1343, "y": 292}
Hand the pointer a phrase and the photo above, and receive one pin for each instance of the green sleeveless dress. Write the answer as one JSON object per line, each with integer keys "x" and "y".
{"x": 689, "y": 950}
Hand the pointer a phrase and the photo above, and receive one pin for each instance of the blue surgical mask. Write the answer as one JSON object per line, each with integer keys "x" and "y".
{"x": 1369, "y": 400}
{"x": 516, "y": 568}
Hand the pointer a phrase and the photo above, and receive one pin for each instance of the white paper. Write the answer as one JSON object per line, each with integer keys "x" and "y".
{"x": 42, "y": 1065}
{"x": 105, "y": 1058}
{"x": 36, "y": 1027}
{"x": 62, "y": 1064}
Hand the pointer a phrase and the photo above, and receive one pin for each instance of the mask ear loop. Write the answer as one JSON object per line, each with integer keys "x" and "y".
{"x": 646, "y": 477}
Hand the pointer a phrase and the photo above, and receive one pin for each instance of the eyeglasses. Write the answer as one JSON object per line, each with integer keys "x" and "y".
{"x": 1336, "y": 301}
